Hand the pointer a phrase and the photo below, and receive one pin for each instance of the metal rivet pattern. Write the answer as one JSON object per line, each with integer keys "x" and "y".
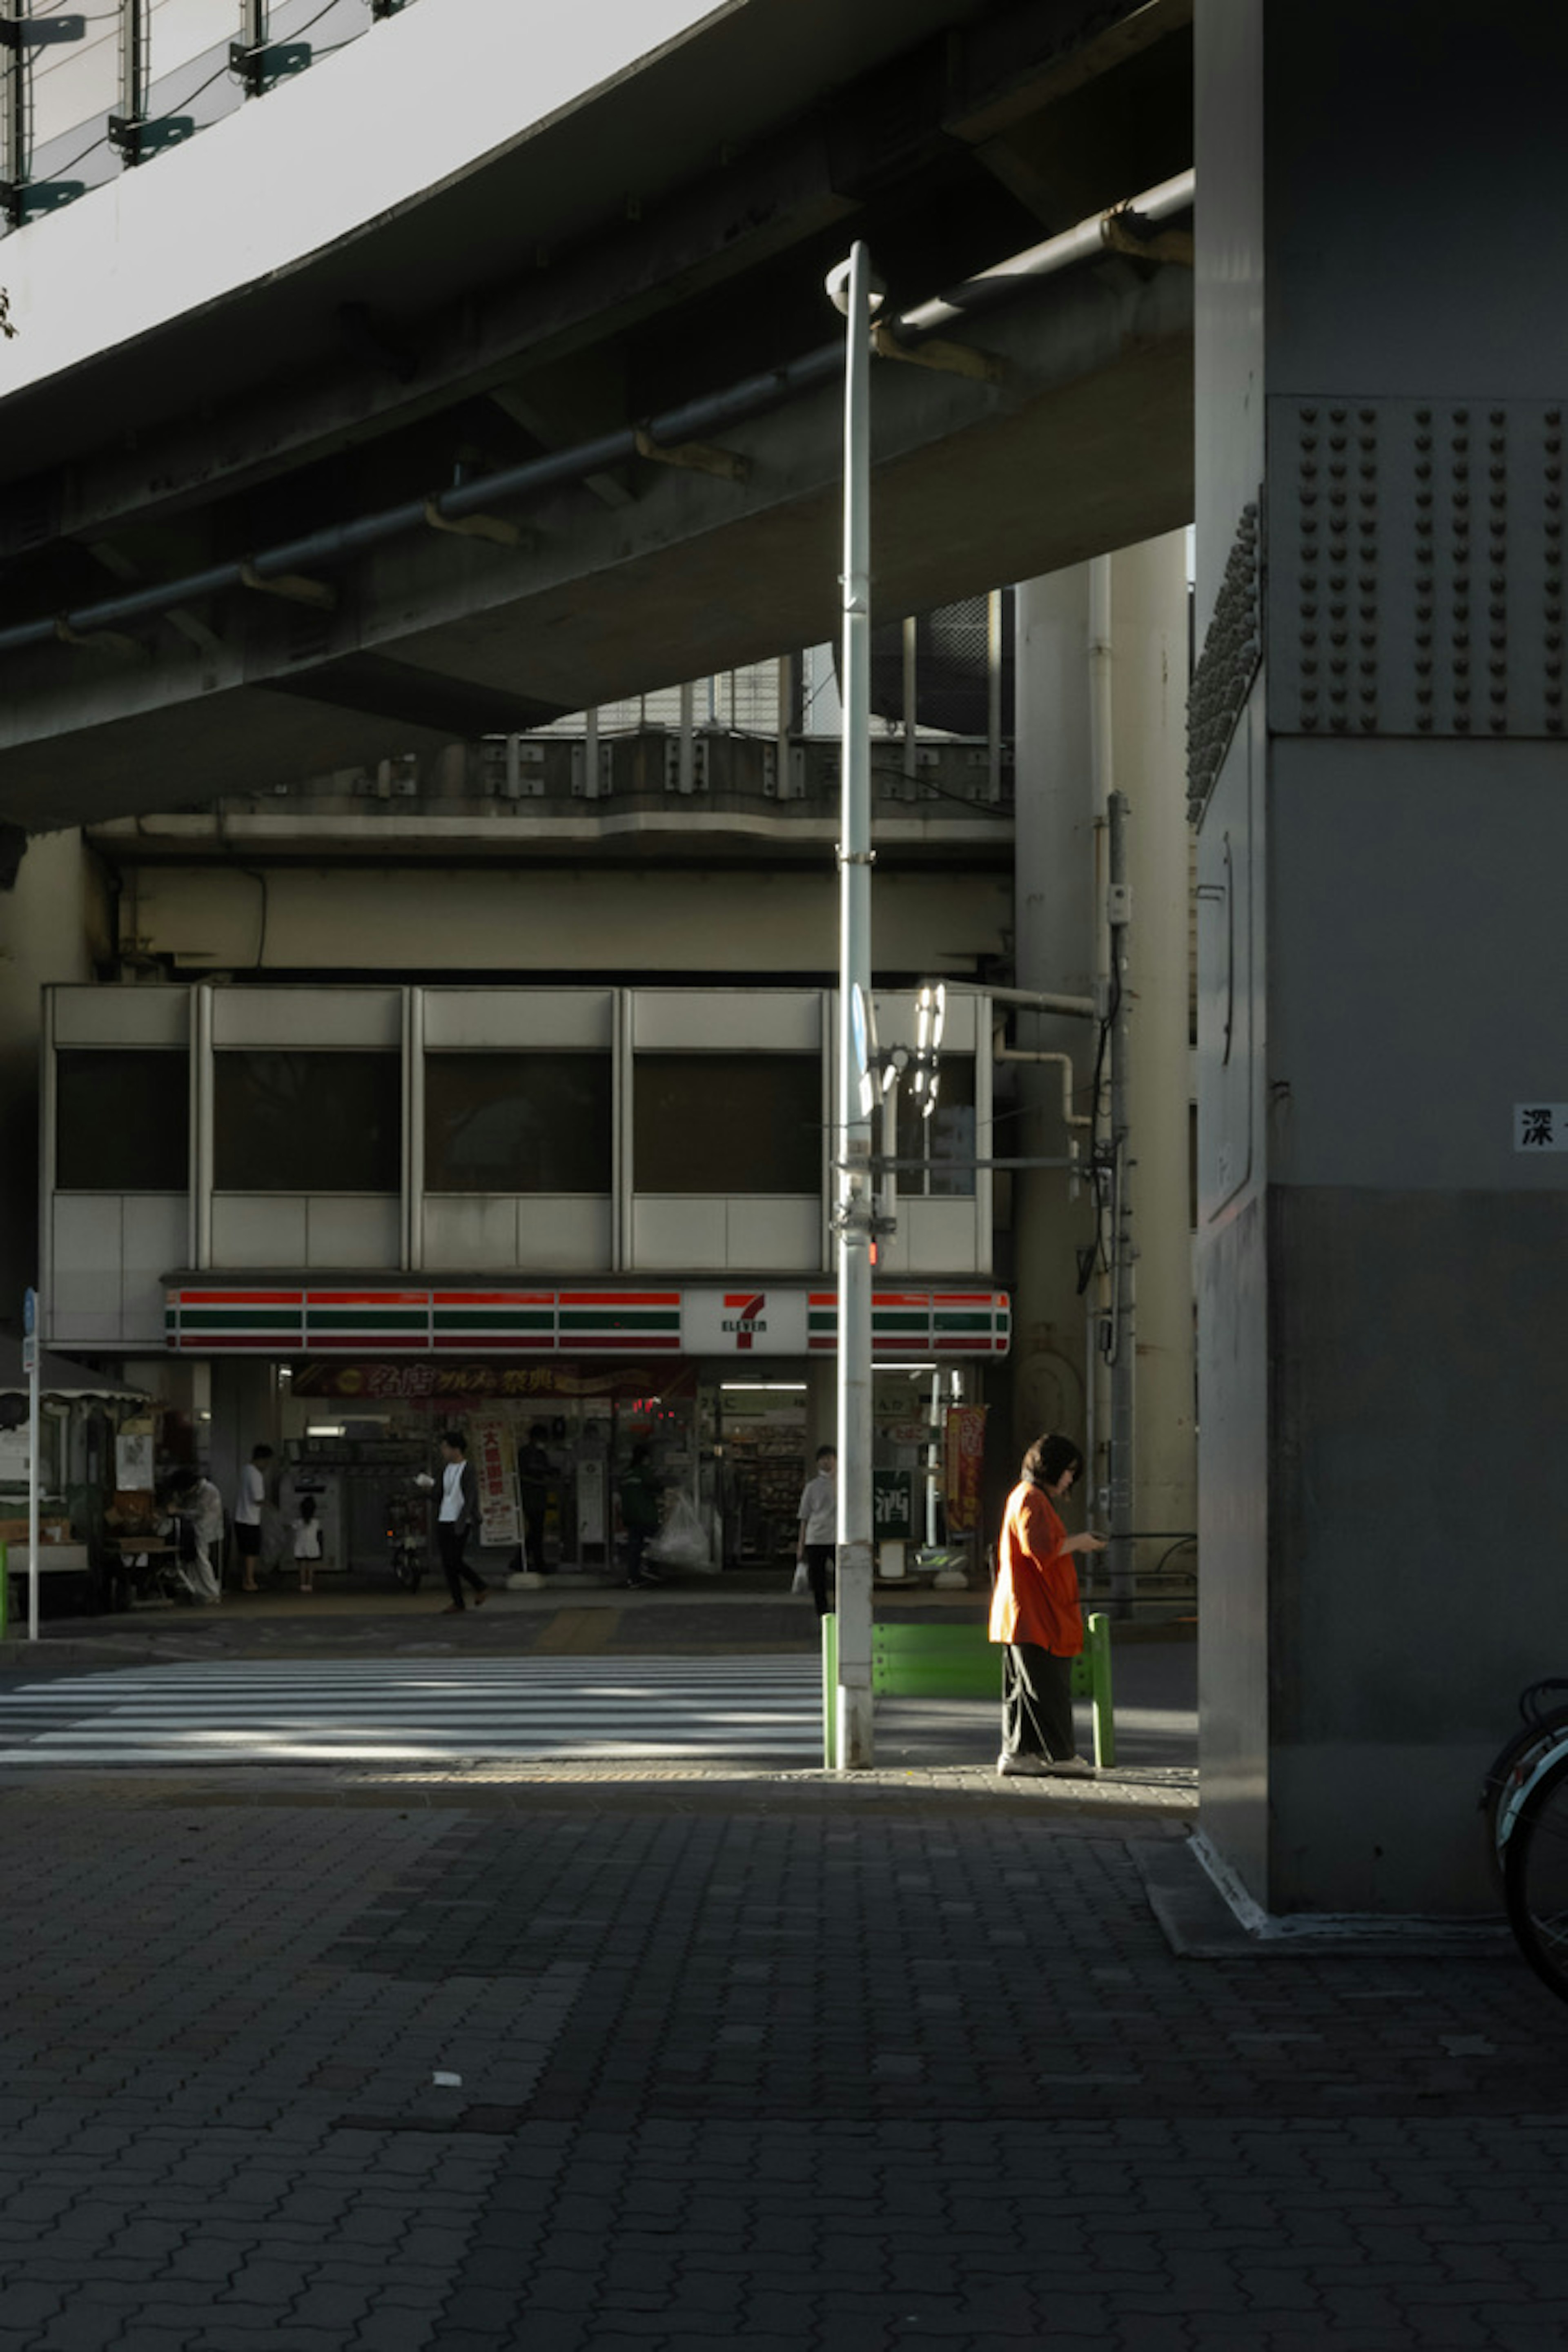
{"x": 1423, "y": 540}
{"x": 1233, "y": 647}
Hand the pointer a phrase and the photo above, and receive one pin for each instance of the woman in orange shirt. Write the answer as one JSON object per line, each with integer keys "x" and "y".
{"x": 1034, "y": 1611}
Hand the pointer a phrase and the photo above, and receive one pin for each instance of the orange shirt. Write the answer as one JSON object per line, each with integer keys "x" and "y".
{"x": 1035, "y": 1598}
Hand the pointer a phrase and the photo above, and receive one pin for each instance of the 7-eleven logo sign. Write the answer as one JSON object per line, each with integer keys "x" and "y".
{"x": 749, "y": 1322}
{"x": 744, "y": 1317}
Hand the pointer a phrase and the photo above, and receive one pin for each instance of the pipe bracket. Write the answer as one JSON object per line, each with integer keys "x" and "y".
{"x": 292, "y": 586}
{"x": 952, "y": 359}
{"x": 500, "y": 532}
{"x": 695, "y": 456}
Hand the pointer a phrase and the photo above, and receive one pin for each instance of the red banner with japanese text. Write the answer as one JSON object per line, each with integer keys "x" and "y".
{"x": 963, "y": 1453}
{"x": 493, "y": 1452}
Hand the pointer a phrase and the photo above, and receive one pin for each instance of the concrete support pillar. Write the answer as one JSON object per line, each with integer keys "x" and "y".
{"x": 1054, "y": 952}
{"x": 1149, "y": 719}
{"x": 821, "y": 1409}
{"x": 1060, "y": 910}
{"x": 1379, "y": 774}
{"x": 54, "y": 920}
{"x": 244, "y": 1409}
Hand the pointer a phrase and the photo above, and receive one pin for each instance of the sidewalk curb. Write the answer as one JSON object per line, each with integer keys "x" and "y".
{"x": 1198, "y": 1924}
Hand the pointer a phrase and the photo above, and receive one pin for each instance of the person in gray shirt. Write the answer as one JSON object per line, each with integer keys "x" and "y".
{"x": 819, "y": 1525}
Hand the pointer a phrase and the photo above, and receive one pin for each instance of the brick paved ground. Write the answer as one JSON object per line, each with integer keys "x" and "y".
{"x": 768, "y": 2061}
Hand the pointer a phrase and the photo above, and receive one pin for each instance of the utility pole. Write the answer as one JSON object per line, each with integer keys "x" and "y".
{"x": 850, "y": 289}
{"x": 1123, "y": 1322}
{"x": 32, "y": 1340}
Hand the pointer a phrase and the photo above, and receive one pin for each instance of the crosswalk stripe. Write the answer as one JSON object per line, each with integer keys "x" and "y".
{"x": 392, "y": 1711}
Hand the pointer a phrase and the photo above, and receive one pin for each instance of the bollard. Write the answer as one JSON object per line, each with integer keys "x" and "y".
{"x": 829, "y": 1692}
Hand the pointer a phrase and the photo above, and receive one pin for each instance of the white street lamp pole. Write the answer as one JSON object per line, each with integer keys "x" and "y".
{"x": 32, "y": 1340}
{"x": 850, "y": 287}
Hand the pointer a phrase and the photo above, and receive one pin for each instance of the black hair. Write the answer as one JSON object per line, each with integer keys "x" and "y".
{"x": 261, "y": 1454}
{"x": 1048, "y": 1457}
{"x": 537, "y": 1432}
{"x": 642, "y": 1453}
{"x": 307, "y": 1506}
{"x": 825, "y": 1452}
{"x": 455, "y": 1440}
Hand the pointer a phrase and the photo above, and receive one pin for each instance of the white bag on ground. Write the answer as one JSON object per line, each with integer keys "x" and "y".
{"x": 800, "y": 1582}
{"x": 680, "y": 1541}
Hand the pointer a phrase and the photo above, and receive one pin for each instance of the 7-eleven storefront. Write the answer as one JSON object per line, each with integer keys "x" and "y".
{"x": 732, "y": 1388}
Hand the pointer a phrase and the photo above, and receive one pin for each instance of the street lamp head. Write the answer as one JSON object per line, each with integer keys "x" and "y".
{"x": 838, "y": 283}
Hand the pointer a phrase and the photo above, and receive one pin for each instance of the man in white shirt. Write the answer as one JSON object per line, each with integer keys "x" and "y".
{"x": 247, "y": 1514}
{"x": 455, "y": 1522}
{"x": 197, "y": 1507}
{"x": 819, "y": 1525}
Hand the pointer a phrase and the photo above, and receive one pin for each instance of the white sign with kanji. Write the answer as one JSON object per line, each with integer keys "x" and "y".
{"x": 1540, "y": 1126}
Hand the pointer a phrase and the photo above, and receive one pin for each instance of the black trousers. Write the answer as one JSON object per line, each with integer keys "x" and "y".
{"x": 818, "y": 1561}
{"x": 1037, "y": 1702}
{"x": 533, "y": 1535}
{"x": 452, "y": 1541}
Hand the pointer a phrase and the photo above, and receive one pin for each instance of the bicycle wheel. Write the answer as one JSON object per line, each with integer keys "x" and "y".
{"x": 1510, "y": 1768}
{"x": 1535, "y": 1877}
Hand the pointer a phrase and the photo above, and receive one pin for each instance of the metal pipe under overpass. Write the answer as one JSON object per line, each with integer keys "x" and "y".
{"x": 696, "y": 419}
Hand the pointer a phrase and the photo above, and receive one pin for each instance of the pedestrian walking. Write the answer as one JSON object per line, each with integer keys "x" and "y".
{"x": 455, "y": 1521}
{"x": 247, "y": 1514}
{"x": 306, "y": 1542}
{"x": 197, "y": 1509}
{"x": 819, "y": 1526}
{"x": 639, "y": 1499}
{"x": 534, "y": 1472}
{"x": 1035, "y": 1612}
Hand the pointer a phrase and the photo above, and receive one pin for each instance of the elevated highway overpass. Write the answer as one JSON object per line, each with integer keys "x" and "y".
{"x": 355, "y": 294}
{"x": 322, "y": 445}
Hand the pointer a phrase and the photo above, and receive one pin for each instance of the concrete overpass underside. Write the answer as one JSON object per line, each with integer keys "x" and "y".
{"x": 374, "y": 377}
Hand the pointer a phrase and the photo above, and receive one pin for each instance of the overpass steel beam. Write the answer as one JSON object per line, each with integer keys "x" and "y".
{"x": 691, "y": 421}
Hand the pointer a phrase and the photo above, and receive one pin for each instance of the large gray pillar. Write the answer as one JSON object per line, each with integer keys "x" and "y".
{"x": 1149, "y": 704}
{"x": 1054, "y": 952}
{"x": 1378, "y": 712}
{"x": 1064, "y": 774}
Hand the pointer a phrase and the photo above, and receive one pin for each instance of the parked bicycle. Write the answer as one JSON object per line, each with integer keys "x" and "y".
{"x": 407, "y": 1539}
{"x": 1524, "y": 1801}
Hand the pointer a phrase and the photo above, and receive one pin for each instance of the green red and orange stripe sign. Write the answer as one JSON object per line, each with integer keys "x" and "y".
{"x": 404, "y": 1318}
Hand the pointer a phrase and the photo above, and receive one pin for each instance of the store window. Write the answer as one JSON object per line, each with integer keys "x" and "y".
{"x": 727, "y": 1123}
{"x": 944, "y": 1141}
{"x": 307, "y": 1122}
{"x": 121, "y": 1121}
{"x": 518, "y": 1123}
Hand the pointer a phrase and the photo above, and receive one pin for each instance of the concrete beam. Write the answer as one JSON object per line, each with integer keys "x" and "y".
{"x": 1084, "y": 448}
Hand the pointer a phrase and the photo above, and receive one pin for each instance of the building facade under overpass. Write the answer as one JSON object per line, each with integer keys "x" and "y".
{"x": 343, "y": 1218}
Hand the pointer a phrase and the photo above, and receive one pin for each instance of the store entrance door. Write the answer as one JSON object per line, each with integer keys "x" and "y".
{"x": 762, "y": 1433}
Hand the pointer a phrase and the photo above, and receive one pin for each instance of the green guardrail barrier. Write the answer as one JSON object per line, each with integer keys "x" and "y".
{"x": 958, "y": 1661}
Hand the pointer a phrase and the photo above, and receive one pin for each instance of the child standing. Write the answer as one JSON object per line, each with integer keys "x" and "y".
{"x": 307, "y": 1543}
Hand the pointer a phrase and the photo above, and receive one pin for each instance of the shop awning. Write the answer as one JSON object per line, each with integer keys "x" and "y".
{"x": 59, "y": 1376}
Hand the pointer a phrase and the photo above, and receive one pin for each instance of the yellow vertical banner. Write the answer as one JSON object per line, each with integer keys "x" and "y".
{"x": 495, "y": 1460}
